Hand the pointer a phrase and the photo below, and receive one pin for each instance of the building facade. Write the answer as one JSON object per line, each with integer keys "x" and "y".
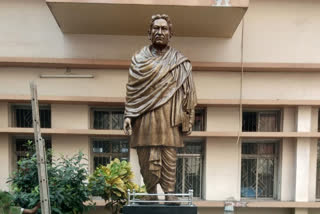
{"x": 256, "y": 133}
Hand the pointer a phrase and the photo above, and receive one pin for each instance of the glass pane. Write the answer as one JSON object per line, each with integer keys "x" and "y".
{"x": 24, "y": 117}
{"x": 249, "y": 121}
{"x": 248, "y": 178}
{"x": 179, "y": 176}
{"x": 192, "y": 175}
{"x": 98, "y": 161}
{"x": 199, "y": 120}
{"x": 101, "y": 146}
{"x": 193, "y": 148}
{"x": 124, "y": 159}
{"x": 265, "y": 178}
{"x": 115, "y": 147}
{"x": 180, "y": 150}
{"x": 268, "y": 122}
{"x": 22, "y": 145}
{"x": 109, "y": 149}
{"x": 266, "y": 148}
{"x": 124, "y": 147}
{"x": 249, "y": 148}
{"x": 45, "y": 118}
{"x": 117, "y": 120}
{"x": 101, "y": 120}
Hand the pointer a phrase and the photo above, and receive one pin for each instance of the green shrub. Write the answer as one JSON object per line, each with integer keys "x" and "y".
{"x": 67, "y": 187}
{"x": 111, "y": 182}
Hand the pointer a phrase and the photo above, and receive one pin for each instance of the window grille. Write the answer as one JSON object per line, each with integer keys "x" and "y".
{"x": 199, "y": 119}
{"x": 262, "y": 121}
{"x": 22, "y": 116}
{"x": 189, "y": 168}
{"x": 108, "y": 118}
{"x": 21, "y": 146}
{"x": 259, "y": 169}
{"x": 318, "y": 173}
{"x": 106, "y": 150}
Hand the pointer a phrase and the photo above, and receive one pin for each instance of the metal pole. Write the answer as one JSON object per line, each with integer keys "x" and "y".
{"x": 129, "y": 202}
{"x": 41, "y": 153}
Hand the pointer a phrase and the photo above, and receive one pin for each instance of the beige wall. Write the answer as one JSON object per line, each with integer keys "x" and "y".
{"x": 275, "y": 31}
{"x": 4, "y": 116}
{"x": 134, "y": 161}
{"x": 5, "y": 155}
{"x": 70, "y": 116}
{"x": 222, "y": 169}
{"x": 289, "y": 119}
{"x": 209, "y": 85}
{"x": 69, "y": 145}
{"x": 313, "y": 169}
{"x": 223, "y": 119}
{"x": 287, "y": 170}
{"x": 269, "y": 29}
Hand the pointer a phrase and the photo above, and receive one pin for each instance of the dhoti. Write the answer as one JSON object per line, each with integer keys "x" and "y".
{"x": 158, "y": 165}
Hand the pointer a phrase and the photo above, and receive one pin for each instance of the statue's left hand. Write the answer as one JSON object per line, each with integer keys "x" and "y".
{"x": 127, "y": 126}
{"x": 190, "y": 130}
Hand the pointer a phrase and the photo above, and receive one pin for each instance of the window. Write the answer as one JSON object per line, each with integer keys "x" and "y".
{"x": 189, "y": 168}
{"x": 107, "y": 118}
{"x": 318, "y": 173}
{"x": 22, "y": 116}
{"x": 21, "y": 148}
{"x": 261, "y": 121}
{"x": 259, "y": 169}
{"x": 199, "y": 119}
{"x": 105, "y": 150}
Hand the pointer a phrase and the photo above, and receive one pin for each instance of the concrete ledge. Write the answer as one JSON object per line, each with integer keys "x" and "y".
{"x": 195, "y": 134}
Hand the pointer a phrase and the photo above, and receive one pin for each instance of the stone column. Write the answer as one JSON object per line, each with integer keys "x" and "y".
{"x": 303, "y": 152}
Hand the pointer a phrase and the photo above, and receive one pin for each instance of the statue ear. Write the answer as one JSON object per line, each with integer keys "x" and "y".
{"x": 149, "y": 35}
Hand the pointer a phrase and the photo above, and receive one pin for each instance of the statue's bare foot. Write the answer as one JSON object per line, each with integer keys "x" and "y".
{"x": 149, "y": 198}
{"x": 172, "y": 200}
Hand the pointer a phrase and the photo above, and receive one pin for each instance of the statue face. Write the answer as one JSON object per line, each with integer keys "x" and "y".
{"x": 160, "y": 33}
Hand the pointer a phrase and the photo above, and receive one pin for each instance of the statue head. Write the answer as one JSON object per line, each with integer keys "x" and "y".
{"x": 160, "y": 30}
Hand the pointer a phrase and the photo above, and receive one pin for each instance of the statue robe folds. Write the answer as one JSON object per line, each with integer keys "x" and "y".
{"x": 160, "y": 102}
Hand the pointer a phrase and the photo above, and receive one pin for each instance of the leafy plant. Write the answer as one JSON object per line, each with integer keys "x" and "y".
{"x": 67, "y": 184}
{"x": 111, "y": 182}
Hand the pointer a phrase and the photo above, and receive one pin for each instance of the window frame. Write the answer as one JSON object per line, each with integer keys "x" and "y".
{"x": 204, "y": 121}
{"x": 202, "y": 162}
{"x": 15, "y": 106}
{"x": 107, "y": 109}
{"x": 108, "y": 155}
{"x": 276, "y": 171}
{"x": 15, "y": 153}
{"x": 279, "y": 112}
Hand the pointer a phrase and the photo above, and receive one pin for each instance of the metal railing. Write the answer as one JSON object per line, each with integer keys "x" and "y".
{"x": 187, "y": 198}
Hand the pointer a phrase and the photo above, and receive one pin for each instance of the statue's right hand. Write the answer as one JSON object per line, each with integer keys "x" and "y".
{"x": 127, "y": 126}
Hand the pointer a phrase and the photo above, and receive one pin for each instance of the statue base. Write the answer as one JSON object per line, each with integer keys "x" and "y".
{"x": 159, "y": 209}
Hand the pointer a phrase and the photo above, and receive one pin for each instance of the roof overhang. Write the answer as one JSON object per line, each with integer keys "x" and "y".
{"x": 194, "y": 18}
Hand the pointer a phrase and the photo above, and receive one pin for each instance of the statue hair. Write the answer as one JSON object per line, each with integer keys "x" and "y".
{"x": 160, "y": 16}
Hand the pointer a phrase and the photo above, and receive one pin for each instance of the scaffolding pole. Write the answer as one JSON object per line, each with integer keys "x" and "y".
{"x": 41, "y": 153}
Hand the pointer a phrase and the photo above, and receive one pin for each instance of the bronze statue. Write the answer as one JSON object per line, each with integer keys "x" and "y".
{"x": 159, "y": 107}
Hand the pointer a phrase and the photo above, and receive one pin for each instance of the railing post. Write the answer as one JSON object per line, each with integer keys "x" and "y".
{"x": 129, "y": 202}
{"x": 134, "y": 196}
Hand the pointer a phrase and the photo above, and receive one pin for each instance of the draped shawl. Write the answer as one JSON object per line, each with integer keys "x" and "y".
{"x": 154, "y": 80}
